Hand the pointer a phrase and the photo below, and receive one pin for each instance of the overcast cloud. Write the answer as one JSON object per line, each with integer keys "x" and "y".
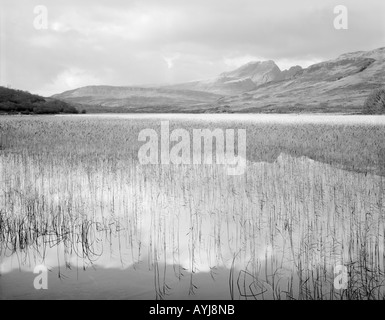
{"x": 167, "y": 41}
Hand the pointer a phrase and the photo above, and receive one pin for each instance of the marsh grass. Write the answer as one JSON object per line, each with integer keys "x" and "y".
{"x": 73, "y": 195}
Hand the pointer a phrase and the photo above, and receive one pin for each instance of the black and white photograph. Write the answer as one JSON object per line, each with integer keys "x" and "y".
{"x": 180, "y": 150}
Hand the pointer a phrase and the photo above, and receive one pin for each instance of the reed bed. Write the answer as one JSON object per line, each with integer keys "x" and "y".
{"x": 73, "y": 194}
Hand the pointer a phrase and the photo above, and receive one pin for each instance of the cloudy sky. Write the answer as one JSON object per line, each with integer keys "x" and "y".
{"x": 124, "y": 42}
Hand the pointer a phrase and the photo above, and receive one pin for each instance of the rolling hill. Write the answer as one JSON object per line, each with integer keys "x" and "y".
{"x": 338, "y": 85}
{"x": 138, "y": 99}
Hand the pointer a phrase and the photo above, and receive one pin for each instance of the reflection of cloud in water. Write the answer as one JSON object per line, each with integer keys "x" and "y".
{"x": 293, "y": 215}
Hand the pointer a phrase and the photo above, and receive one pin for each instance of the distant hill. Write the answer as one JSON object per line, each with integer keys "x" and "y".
{"x": 338, "y": 85}
{"x": 137, "y": 99}
{"x": 246, "y": 78}
{"x": 16, "y": 101}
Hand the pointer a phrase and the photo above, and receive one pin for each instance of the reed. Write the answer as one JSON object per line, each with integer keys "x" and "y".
{"x": 74, "y": 187}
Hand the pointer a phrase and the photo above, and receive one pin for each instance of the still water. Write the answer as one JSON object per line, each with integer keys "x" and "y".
{"x": 126, "y": 231}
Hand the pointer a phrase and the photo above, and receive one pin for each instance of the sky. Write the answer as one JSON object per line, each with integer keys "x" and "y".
{"x": 50, "y": 46}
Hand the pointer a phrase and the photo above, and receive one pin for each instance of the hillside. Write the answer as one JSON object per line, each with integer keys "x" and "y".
{"x": 17, "y": 101}
{"x": 246, "y": 78}
{"x": 137, "y": 99}
{"x": 338, "y": 85}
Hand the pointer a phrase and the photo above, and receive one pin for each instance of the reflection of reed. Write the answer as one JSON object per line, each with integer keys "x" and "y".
{"x": 78, "y": 235}
{"x": 279, "y": 230}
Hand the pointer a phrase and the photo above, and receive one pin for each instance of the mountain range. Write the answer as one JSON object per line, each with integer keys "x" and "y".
{"x": 338, "y": 85}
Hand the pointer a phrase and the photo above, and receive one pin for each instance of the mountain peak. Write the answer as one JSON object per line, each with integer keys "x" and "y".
{"x": 245, "y": 78}
{"x": 258, "y": 72}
